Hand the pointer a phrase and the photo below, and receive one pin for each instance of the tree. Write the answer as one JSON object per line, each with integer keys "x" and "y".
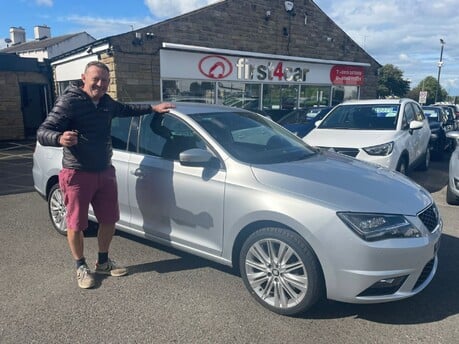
{"x": 429, "y": 84}
{"x": 391, "y": 82}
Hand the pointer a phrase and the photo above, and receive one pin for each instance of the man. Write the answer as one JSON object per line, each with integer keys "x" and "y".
{"x": 80, "y": 122}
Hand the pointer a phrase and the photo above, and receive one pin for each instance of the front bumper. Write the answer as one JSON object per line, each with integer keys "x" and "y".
{"x": 383, "y": 271}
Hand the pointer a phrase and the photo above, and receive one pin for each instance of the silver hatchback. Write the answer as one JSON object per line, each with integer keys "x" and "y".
{"x": 298, "y": 223}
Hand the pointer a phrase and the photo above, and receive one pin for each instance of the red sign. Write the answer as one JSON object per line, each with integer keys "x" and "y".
{"x": 215, "y": 67}
{"x": 347, "y": 75}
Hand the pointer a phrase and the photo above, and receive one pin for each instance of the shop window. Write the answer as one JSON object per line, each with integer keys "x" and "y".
{"x": 189, "y": 91}
{"x": 278, "y": 100}
{"x": 343, "y": 93}
{"x": 314, "y": 96}
{"x": 237, "y": 94}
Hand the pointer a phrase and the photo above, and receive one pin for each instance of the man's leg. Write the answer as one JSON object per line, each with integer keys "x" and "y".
{"x": 105, "y": 265}
{"x": 76, "y": 201}
{"x": 76, "y": 243}
{"x": 105, "y": 235}
{"x": 106, "y": 209}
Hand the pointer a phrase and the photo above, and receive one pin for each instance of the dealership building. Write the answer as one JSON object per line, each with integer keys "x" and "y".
{"x": 266, "y": 55}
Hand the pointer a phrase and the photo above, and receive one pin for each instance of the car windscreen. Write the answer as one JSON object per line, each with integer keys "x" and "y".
{"x": 431, "y": 114}
{"x": 252, "y": 139}
{"x": 362, "y": 117}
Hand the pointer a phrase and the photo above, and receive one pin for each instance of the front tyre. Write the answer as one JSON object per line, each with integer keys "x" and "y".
{"x": 451, "y": 198}
{"x": 57, "y": 210}
{"x": 281, "y": 271}
{"x": 424, "y": 166}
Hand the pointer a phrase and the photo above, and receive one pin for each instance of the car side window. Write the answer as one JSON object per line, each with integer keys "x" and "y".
{"x": 408, "y": 116}
{"x": 120, "y": 132}
{"x": 166, "y": 136}
{"x": 418, "y": 114}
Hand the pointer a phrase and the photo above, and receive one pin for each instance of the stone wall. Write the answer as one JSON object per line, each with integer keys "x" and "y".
{"x": 237, "y": 25}
{"x": 11, "y": 122}
{"x": 11, "y": 119}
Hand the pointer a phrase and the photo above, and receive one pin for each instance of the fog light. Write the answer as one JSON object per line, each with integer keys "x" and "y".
{"x": 456, "y": 182}
{"x": 385, "y": 286}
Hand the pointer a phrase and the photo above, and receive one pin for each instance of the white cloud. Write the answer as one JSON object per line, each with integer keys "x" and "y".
{"x": 48, "y": 3}
{"x": 165, "y": 8}
{"x": 403, "y": 33}
{"x": 102, "y": 27}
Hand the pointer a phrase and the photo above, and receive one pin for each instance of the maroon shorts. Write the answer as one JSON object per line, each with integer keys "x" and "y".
{"x": 81, "y": 188}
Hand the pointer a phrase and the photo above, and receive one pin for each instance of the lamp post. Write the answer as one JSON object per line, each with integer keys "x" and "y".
{"x": 440, "y": 64}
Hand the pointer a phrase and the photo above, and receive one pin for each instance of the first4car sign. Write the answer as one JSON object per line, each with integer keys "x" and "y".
{"x": 197, "y": 66}
{"x": 270, "y": 71}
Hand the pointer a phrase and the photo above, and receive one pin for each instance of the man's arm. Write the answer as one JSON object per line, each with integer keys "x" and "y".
{"x": 125, "y": 110}
{"x": 53, "y": 131}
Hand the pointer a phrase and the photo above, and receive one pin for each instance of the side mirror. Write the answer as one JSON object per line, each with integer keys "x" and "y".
{"x": 198, "y": 157}
{"x": 317, "y": 123}
{"x": 415, "y": 125}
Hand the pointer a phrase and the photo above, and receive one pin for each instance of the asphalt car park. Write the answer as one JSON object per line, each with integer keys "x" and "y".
{"x": 172, "y": 297}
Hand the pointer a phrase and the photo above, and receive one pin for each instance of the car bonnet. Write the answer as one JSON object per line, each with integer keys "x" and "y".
{"x": 348, "y": 137}
{"x": 345, "y": 184}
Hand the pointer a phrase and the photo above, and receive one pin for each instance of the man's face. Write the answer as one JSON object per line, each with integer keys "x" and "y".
{"x": 95, "y": 82}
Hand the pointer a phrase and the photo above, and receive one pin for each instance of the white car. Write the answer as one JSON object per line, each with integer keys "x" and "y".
{"x": 452, "y": 190}
{"x": 393, "y": 133}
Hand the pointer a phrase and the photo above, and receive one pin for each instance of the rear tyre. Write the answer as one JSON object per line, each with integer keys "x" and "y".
{"x": 281, "y": 271}
{"x": 57, "y": 210}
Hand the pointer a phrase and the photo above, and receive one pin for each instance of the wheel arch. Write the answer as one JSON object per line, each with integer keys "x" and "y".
{"x": 404, "y": 156}
{"x": 250, "y": 228}
{"x": 51, "y": 181}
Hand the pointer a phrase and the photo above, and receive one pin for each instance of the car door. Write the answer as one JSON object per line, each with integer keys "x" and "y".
{"x": 410, "y": 137}
{"x": 120, "y": 133}
{"x": 422, "y": 134}
{"x": 176, "y": 203}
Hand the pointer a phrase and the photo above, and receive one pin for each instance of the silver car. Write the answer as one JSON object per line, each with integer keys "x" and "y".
{"x": 452, "y": 190}
{"x": 298, "y": 223}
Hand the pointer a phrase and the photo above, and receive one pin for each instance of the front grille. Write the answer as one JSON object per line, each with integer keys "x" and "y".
{"x": 424, "y": 274}
{"x": 345, "y": 151}
{"x": 429, "y": 217}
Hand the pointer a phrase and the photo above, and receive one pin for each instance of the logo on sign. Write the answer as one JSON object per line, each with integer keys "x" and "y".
{"x": 215, "y": 67}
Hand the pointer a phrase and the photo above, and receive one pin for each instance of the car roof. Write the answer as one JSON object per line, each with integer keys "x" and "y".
{"x": 377, "y": 101}
{"x": 191, "y": 108}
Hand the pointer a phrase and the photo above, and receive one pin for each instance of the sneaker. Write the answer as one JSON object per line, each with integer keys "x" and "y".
{"x": 110, "y": 268}
{"x": 84, "y": 277}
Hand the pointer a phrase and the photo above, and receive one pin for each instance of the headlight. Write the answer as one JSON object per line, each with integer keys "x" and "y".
{"x": 374, "y": 227}
{"x": 384, "y": 149}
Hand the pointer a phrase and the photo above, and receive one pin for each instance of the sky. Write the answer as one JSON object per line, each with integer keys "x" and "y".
{"x": 405, "y": 33}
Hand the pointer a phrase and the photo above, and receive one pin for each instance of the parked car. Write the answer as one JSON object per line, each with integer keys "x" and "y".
{"x": 453, "y": 107}
{"x": 298, "y": 223}
{"x": 452, "y": 189}
{"x": 440, "y": 123}
{"x": 301, "y": 121}
{"x": 393, "y": 133}
{"x": 451, "y": 117}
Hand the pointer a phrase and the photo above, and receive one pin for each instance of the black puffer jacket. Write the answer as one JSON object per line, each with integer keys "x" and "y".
{"x": 74, "y": 110}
